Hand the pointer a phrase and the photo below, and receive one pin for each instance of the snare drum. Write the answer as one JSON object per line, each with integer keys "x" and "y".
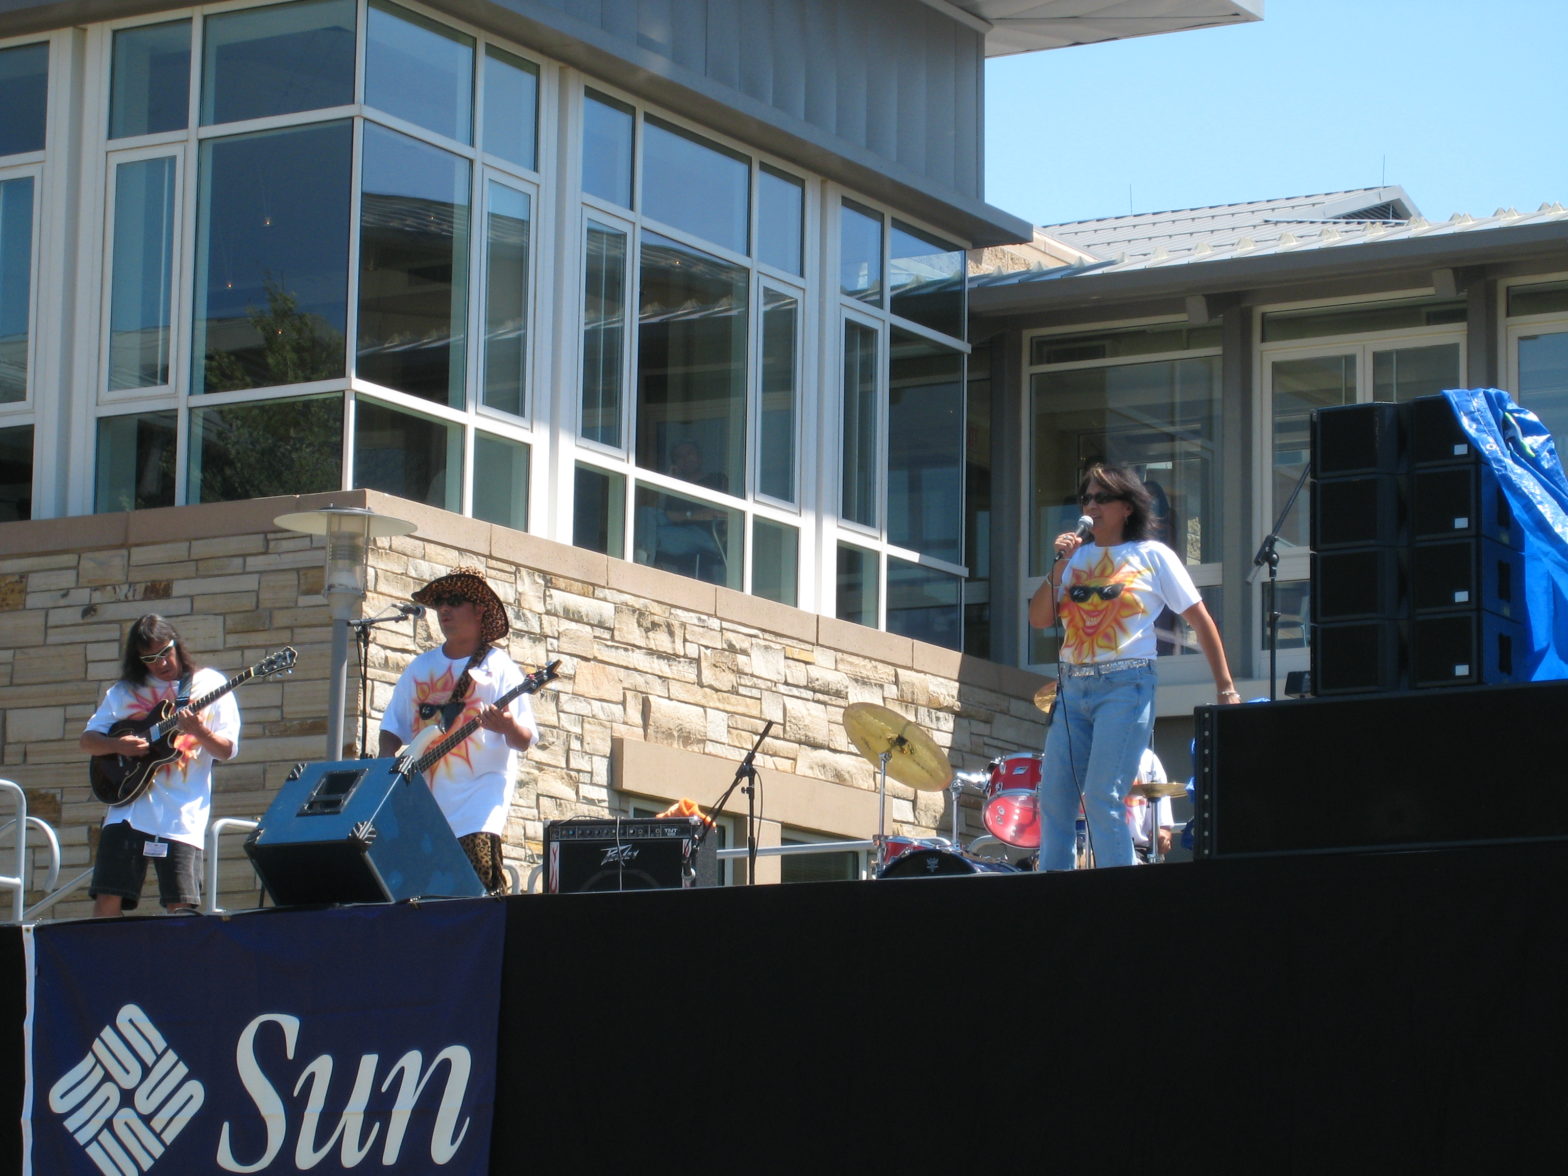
{"x": 1012, "y": 808}
{"x": 937, "y": 863}
{"x": 894, "y": 848}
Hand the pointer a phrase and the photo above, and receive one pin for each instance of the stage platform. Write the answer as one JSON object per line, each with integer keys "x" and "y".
{"x": 1390, "y": 1012}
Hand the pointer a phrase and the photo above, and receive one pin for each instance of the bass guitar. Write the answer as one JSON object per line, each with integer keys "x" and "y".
{"x": 120, "y": 779}
{"x": 430, "y": 744}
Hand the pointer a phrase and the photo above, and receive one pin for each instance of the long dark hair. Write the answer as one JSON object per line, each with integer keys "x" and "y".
{"x": 1127, "y": 486}
{"x": 152, "y": 632}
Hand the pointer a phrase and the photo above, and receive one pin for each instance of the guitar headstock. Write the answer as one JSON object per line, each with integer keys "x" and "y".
{"x": 544, "y": 676}
{"x": 281, "y": 662}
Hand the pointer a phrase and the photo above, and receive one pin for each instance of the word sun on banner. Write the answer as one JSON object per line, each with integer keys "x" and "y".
{"x": 355, "y": 1039}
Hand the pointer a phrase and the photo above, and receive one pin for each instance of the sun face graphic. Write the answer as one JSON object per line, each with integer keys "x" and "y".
{"x": 436, "y": 690}
{"x": 1098, "y": 623}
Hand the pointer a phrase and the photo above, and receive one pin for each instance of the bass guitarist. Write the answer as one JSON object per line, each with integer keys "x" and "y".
{"x": 451, "y": 684}
{"x": 167, "y": 823}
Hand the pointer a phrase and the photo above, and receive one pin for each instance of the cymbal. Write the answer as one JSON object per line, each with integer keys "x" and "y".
{"x": 913, "y": 758}
{"x": 1045, "y": 697}
{"x": 1158, "y": 790}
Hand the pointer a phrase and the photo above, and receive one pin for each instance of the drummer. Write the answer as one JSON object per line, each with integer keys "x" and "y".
{"x": 1144, "y": 818}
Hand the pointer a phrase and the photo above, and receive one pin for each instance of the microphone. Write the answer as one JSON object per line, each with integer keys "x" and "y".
{"x": 410, "y": 610}
{"x": 1084, "y": 532}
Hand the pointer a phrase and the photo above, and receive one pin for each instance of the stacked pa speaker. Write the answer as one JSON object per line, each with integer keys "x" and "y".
{"x": 1416, "y": 569}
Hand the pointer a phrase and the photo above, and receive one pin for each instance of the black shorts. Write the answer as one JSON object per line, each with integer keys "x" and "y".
{"x": 121, "y": 867}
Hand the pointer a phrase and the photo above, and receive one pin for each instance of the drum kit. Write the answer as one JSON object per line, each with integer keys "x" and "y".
{"x": 1010, "y": 810}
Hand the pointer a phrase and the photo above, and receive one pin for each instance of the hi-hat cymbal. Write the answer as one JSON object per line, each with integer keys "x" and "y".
{"x": 1158, "y": 790}
{"x": 913, "y": 758}
{"x": 1045, "y": 697}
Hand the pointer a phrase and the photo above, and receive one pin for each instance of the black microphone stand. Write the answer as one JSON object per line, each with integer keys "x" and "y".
{"x": 1268, "y": 555}
{"x": 361, "y": 630}
{"x": 749, "y": 774}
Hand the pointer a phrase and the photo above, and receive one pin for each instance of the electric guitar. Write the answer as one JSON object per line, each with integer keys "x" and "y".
{"x": 430, "y": 744}
{"x": 120, "y": 779}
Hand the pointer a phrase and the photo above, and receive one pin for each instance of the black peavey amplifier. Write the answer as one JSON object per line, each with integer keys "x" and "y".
{"x": 654, "y": 853}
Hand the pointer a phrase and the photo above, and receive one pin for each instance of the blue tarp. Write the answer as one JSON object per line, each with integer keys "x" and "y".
{"x": 1514, "y": 444}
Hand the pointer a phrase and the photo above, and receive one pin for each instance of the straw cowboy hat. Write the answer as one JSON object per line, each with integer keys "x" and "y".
{"x": 466, "y": 583}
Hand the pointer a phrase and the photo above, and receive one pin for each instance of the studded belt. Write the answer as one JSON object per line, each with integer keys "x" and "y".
{"x": 1092, "y": 669}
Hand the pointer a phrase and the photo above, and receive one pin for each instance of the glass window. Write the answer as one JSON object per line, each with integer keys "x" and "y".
{"x": 24, "y": 97}
{"x": 688, "y": 535}
{"x": 1544, "y": 298}
{"x": 781, "y": 205}
{"x": 926, "y": 280}
{"x": 775, "y": 561}
{"x": 1300, "y": 386}
{"x": 677, "y": 166}
{"x": 277, "y": 60}
{"x": 604, "y": 334}
{"x": 420, "y": 71}
{"x": 413, "y": 267}
{"x": 1121, "y": 344}
{"x": 860, "y": 253}
{"x": 141, "y": 289}
{"x": 501, "y": 481}
{"x": 857, "y": 595}
{"x": 777, "y": 424}
{"x": 691, "y": 363}
{"x": 1318, "y": 323}
{"x": 410, "y": 456}
{"x": 507, "y": 223}
{"x": 1543, "y": 380}
{"x": 859, "y": 498}
{"x": 16, "y": 285}
{"x": 599, "y": 511}
{"x": 608, "y": 127}
{"x": 16, "y": 474}
{"x": 272, "y": 258}
{"x": 265, "y": 449}
{"x": 1160, "y": 418}
{"x": 844, "y": 865}
{"x": 511, "y": 112}
{"x": 1404, "y": 373}
{"x": 150, "y": 91}
{"x": 923, "y": 604}
{"x": 136, "y": 457}
{"x": 925, "y": 449}
{"x": 977, "y": 502}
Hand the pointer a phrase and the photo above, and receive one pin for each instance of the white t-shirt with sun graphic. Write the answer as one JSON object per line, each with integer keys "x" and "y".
{"x": 178, "y": 803}
{"x": 472, "y": 783}
{"x": 1111, "y": 597}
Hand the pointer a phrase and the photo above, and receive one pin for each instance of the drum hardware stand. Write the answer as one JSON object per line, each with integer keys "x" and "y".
{"x": 747, "y": 773}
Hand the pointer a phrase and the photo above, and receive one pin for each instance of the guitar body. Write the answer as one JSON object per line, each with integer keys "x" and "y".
{"x": 120, "y": 779}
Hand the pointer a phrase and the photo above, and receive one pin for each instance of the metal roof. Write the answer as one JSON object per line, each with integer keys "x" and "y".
{"x": 1025, "y": 26}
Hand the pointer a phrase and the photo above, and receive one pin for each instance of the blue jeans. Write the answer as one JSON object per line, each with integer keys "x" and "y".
{"x": 1097, "y": 736}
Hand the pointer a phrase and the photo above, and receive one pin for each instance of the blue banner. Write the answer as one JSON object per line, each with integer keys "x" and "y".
{"x": 357, "y": 1038}
{"x": 1520, "y": 453}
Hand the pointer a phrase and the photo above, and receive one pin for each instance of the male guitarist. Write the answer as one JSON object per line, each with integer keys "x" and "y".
{"x": 167, "y": 823}
{"x": 458, "y": 681}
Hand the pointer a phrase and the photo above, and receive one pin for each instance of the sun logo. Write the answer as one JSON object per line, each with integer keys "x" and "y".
{"x": 1097, "y": 609}
{"x": 436, "y": 691}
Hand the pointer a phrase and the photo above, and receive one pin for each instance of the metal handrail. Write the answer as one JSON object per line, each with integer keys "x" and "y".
{"x": 16, "y": 883}
{"x": 216, "y": 829}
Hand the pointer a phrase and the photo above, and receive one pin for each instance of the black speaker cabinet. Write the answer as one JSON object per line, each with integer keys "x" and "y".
{"x": 1434, "y": 436}
{"x": 656, "y": 853}
{"x": 1357, "y": 657}
{"x": 1467, "y": 573}
{"x": 1358, "y": 512}
{"x": 1460, "y": 501}
{"x": 358, "y": 831}
{"x": 1416, "y": 769}
{"x": 1357, "y": 439}
{"x": 1465, "y": 648}
{"x": 1358, "y": 583}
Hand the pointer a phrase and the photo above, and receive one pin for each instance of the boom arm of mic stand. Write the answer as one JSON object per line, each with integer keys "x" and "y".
{"x": 744, "y": 772}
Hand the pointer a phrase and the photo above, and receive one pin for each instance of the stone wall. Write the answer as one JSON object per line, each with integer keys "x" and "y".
{"x": 665, "y": 681}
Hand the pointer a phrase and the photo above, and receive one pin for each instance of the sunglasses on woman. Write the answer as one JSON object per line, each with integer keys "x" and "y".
{"x": 1099, "y": 496}
{"x": 1079, "y": 593}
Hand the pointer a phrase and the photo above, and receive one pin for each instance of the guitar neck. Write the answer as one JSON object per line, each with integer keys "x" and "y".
{"x": 206, "y": 700}
{"x": 527, "y": 686}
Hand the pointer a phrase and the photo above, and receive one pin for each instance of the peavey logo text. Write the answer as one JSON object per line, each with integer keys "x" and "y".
{"x": 130, "y": 1062}
{"x": 128, "y": 1098}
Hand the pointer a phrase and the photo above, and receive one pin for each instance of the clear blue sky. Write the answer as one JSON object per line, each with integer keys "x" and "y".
{"x": 1463, "y": 103}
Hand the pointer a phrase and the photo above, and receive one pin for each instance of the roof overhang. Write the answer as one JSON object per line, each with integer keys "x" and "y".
{"x": 1025, "y": 26}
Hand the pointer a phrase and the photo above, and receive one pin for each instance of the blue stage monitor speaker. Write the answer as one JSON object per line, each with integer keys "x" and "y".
{"x": 358, "y": 831}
